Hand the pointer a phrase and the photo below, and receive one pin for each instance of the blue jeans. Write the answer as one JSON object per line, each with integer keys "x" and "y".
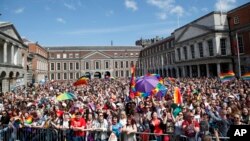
{"x": 79, "y": 138}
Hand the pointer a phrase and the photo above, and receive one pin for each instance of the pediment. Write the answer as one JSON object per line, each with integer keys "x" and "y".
{"x": 11, "y": 31}
{"x": 96, "y": 55}
{"x": 192, "y": 31}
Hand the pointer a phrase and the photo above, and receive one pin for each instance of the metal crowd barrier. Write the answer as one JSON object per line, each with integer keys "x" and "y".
{"x": 52, "y": 134}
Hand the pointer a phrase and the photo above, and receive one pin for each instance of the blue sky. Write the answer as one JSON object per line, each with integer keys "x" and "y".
{"x": 97, "y": 22}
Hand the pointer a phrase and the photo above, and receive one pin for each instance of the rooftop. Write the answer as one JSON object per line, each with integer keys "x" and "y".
{"x": 93, "y": 47}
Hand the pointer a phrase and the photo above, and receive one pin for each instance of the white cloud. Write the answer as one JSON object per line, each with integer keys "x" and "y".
{"x": 60, "y": 20}
{"x": 224, "y": 5}
{"x": 166, "y": 7}
{"x": 19, "y": 10}
{"x": 69, "y": 6}
{"x": 178, "y": 10}
{"x": 131, "y": 4}
{"x": 162, "y": 4}
{"x": 162, "y": 15}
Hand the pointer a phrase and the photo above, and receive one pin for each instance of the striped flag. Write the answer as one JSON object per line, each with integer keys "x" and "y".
{"x": 224, "y": 77}
{"x": 81, "y": 81}
{"x": 132, "y": 83}
{"x": 246, "y": 76}
{"x": 177, "y": 96}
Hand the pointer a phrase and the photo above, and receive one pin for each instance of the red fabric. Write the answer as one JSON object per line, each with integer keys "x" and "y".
{"x": 59, "y": 113}
{"x": 78, "y": 123}
{"x": 189, "y": 132}
{"x": 157, "y": 128}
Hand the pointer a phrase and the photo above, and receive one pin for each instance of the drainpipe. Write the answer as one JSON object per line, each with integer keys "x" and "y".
{"x": 231, "y": 41}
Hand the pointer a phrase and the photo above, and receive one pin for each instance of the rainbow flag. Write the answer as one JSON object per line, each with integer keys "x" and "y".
{"x": 132, "y": 84}
{"x": 81, "y": 81}
{"x": 224, "y": 77}
{"x": 28, "y": 120}
{"x": 177, "y": 96}
{"x": 246, "y": 76}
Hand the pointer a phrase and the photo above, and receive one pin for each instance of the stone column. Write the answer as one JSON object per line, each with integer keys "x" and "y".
{"x": 218, "y": 69}
{"x": 12, "y": 54}
{"x": 207, "y": 67}
{"x": 190, "y": 71}
{"x": 5, "y": 52}
{"x": 230, "y": 67}
{"x": 183, "y": 71}
{"x": 199, "y": 70}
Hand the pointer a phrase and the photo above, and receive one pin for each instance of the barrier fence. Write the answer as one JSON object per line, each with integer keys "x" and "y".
{"x": 53, "y": 134}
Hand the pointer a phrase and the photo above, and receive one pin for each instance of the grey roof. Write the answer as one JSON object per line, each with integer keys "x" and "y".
{"x": 92, "y": 47}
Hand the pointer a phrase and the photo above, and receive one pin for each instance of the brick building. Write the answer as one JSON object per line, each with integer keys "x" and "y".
{"x": 239, "y": 24}
{"x": 70, "y": 62}
{"x": 39, "y": 62}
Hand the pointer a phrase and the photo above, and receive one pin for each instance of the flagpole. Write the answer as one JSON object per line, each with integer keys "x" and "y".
{"x": 238, "y": 53}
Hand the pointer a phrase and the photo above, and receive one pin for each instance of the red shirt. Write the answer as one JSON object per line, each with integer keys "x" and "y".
{"x": 189, "y": 132}
{"x": 157, "y": 128}
{"x": 78, "y": 123}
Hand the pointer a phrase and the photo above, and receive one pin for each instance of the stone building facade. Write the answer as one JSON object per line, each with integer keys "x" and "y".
{"x": 70, "y": 63}
{"x": 13, "y": 58}
{"x": 199, "y": 48}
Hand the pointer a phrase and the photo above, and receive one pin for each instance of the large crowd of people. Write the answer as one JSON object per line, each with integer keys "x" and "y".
{"x": 102, "y": 110}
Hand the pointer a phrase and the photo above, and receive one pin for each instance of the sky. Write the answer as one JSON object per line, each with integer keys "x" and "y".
{"x": 98, "y": 22}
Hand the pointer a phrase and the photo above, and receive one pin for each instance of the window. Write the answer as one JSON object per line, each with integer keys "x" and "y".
{"x": 200, "y": 49}
{"x": 116, "y": 65}
{"x": 97, "y": 65}
{"x": 179, "y": 53}
{"x": 65, "y": 76}
{"x": 121, "y": 64}
{"x": 87, "y": 65}
{"x": 185, "y": 52}
{"x": 223, "y": 47}
{"x": 77, "y": 66}
{"x": 58, "y": 66}
{"x": 58, "y": 76}
{"x": 236, "y": 20}
{"x": 71, "y": 55}
{"x": 136, "y": 54}
{"x": 64, "y": 55}
{"x": 210, "y": 47}
{"x": 52, "y": 66}
{"x": 121, "y": 73}
{"x": 116, "y": 73}
{"x": 126, "y": 64}
{"x": 240, "y": 44}
{"x": 52, "y": 55}
{"x": 70, "y": 66}
{"x": 131, "y": 54}
{"x": 52, "y": 76}
{"x": 127, "y": 73}
{"x": 71, "y": 75}
{"x": 58, "y": 55}
{"x": 77, "y": 55}
{"x": 64, "y": 66}
{"x": 192, "y": 51}
{"x": 115, "y": 54}
{"x": 132, "y": 63}
{"x": 77, "y": 75}
{"x": 106, "y": 65}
